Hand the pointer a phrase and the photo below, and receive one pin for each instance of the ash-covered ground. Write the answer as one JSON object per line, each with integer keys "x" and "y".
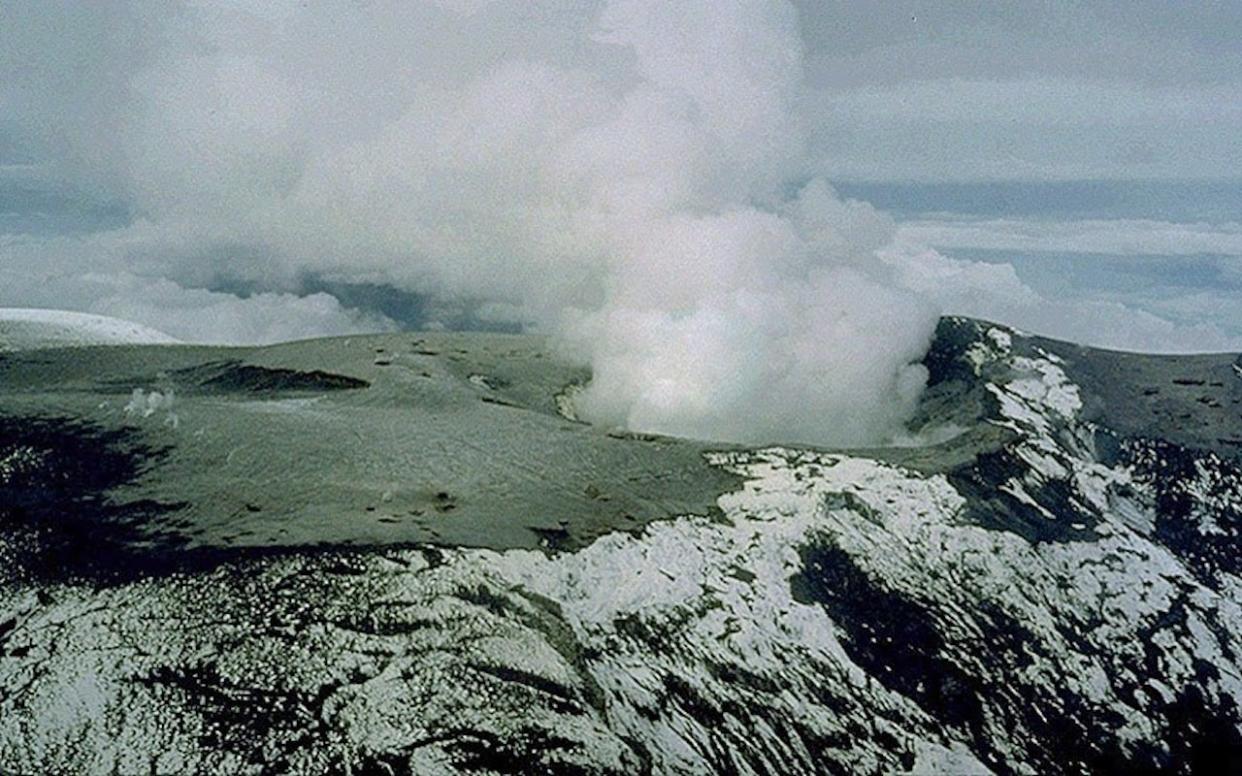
{"x": 402, "y": 554}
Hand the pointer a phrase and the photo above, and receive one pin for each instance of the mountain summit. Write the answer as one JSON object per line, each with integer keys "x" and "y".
{"x": 404, "y": 554}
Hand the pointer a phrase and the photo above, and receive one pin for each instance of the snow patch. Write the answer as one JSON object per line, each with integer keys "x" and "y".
{"x": 27, "y": 329}
{"x": 997, "y": 345}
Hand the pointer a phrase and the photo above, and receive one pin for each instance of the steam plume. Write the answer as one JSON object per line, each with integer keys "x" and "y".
{"x": 632, "y": 178}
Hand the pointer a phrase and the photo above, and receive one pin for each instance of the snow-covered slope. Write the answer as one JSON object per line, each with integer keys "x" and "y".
{"x": 27, "y": 329}
{"x": 1041, "y": 594}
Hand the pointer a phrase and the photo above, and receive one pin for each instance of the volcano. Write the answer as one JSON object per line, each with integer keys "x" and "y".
{"x": 405, "y": 554}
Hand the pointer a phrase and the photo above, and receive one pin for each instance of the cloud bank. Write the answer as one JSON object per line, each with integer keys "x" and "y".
{"x": 1116, "y": 237}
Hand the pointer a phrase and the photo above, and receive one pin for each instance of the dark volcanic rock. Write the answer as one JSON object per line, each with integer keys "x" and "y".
{"x": 56, "y": 516}
{"x": 232, "y": 376}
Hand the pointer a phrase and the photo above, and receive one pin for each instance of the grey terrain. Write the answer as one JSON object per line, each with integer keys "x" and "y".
{"x": 403, "y": 554}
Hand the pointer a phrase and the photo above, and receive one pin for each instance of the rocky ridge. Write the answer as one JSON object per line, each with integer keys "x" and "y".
{"x": 1038, "y": 593}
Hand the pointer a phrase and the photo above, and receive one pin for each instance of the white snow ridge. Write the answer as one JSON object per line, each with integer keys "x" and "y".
{"x": 29, "y": 329}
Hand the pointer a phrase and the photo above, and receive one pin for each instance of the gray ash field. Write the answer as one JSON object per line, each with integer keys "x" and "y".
{"x": 401, "y": 554}
{"x": 388, "y": 439}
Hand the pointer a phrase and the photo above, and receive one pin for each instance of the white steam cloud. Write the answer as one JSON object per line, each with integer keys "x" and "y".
{"x": 632, "y": 177}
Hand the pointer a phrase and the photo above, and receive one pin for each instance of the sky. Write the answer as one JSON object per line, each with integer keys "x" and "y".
{"x": 722, "y": 206}
{"x": 1027, "y": 91}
